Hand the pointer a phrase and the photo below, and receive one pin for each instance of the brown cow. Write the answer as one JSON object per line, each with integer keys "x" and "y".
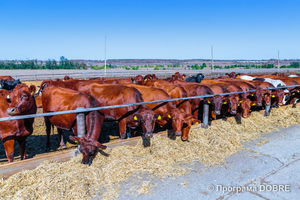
{"x": 22, "y": 103}
{"x": 170, "y": 114}
{"x": 243, "y": 103}
{"x": 7, "y": 78}
{"x": 56, "y": 99}
{"x": 174, "y": 92}
{"x": 139, "y": 79}
{"x": 5, "y": 93}
{"x": 194, "y": 89}
{"x": 108, "y": 95}
{"x": 68, "y": 78}
{"x": 257, "y": 95}
{"x": 230, "y": 102}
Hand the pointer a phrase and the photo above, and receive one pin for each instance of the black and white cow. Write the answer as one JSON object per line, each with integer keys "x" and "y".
{"x": 275, "y": 82}
{"x": 9, "y": 85}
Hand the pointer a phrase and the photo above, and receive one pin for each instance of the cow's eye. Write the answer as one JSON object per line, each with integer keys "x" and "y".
{"x": 24, "y": 96}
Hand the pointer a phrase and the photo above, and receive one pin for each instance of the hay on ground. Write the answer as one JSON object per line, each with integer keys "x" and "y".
{"x": 163, "y": 158}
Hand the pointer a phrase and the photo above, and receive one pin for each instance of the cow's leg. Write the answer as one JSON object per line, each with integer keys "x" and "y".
{"x": 22, "y": 145}
{"x": 48, "y": 131}
{"x": 9, "y": 150}
{"x": 122, "y": 128}
{"x": 61, "y": 137}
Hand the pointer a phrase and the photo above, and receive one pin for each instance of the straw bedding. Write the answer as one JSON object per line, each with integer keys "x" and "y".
{"x": 72, "y": 180}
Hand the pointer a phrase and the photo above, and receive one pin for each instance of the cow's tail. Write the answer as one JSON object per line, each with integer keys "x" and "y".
{"x": 42, "y": 87}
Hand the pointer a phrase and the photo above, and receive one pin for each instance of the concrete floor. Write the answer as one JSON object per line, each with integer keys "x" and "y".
{"x": 259, "y": 169}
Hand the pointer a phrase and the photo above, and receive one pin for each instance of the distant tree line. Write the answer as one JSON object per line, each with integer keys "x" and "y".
{"x": 63, "y": 63}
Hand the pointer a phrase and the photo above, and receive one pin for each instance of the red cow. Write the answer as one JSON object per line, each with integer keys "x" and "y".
{"x": 7, "y": 78}
{"x": 194, "y": 89}
{"x": 170, "y": 114}
{"x": 174, "y": 92}
{"x": 56, "y": 99}
{"x": 22, "y": 103}
{"x": 139, "y": 79}
{"x": 230, "y": 102}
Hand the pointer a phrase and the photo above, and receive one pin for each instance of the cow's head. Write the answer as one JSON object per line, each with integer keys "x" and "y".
{"x": 217, "y": 102}
{"x": 177, "y": 116}
{"x": 88, "y": 148}
{"x": 278, "y": 96}
{"x": 259, "y": 96}
{"x": 154, "y": 77}
{"x": 267, "y": 97}
{"x": 245, "y": 105}
{"x": 146, "y": 118}
{"x": 233, "y": 101}
{"x": 22, "y": 100}
{"x": 139, "y": 79}
{"x": 188, "y": 121}
{"x": 199, "y": 77}
{"x": 5, "y": 93}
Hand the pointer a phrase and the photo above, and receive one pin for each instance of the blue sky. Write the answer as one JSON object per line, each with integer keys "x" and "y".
{"x": 237, "y": 29}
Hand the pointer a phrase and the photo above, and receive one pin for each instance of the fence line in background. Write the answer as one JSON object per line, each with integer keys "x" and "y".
{"x": 123, "y": 74}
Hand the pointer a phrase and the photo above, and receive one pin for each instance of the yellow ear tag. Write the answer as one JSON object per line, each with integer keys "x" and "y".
{"x": 273, "y": 96}
{"x": 7, "y": 96}
{"x": 100, "y": 149}
{"x": 159, "y": 117}
{"x": 145, "y": 79}
{"x": 76, "y": 141}
{"x": 31, "y": 92}
{"x": 225, "y": 102}
{"x": 226, "y": 75}
{"x": 208, "y": 101}
{"x": 237, "y": 75}
{"x": 196, "y": 122}
{"x": 150, "y": 77}
{"x": 173, "y": 77}
{"x": 253, "y": 104}
{"x": 182, "y": 76}
{"x": 169, "y": 116}
{"x": 252, "y": 94}
{"x": 293, "y": 93}
{"x": 266, "y": 95}
{"x": 135, "y": 118}
{"x": 298, "y": 91}
{"x": 241, "y": 101}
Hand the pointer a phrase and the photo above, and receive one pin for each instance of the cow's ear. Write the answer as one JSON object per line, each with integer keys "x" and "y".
{"x": 99, "y": 146}
{"x": 227, "y": 74}
{"x": 136, "y": 117}
{"x": 32, "y": 89}
{"x": 75, "y": 138}
{"x": 158, "y": 116}
{"x": 195, "y": 121}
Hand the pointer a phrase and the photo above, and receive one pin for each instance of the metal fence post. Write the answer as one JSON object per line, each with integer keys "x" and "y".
{"x": 205, "y": 114}
{"x": 80, "y": 119}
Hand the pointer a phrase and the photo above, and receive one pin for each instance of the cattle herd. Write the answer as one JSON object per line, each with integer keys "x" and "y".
{"x": 245, "y": 92}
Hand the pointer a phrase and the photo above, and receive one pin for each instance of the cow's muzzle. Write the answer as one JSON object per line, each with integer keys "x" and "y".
{"x": 11, "y": 111}
{"x": 233, "y": 112}
{"x": 217, "y": 112}
{"x": 148, "y": 135}
{"x": 177, "y": 133}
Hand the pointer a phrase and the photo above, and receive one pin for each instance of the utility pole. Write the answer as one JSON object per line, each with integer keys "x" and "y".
{"x": 105, "y": 58}
{"x": 212, "y": 58}
{"x": 278, "y": 61}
